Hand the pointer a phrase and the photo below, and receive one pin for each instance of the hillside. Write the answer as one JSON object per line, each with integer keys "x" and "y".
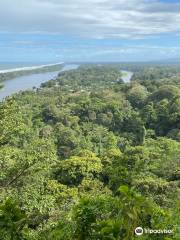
{"x": 89, "y": 157}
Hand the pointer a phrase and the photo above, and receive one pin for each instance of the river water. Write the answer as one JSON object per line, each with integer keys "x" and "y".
{"x": 29, "y": 81}
{"x": 126, "y": 76}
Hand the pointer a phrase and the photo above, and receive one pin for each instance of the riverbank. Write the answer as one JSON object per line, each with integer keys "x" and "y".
{"x": 30, "y": 68}
{"x": 23, "y": 83}
{"x": 18, "y": 72}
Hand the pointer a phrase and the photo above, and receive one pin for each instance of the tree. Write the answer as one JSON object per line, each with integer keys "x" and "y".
{"x": 12, "y": 221}
{"x": 137, "y": 95}
{"x": 72, "y": 171}
{"x": 13, "y": 126}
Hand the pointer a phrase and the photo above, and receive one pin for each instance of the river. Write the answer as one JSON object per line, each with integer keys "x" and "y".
{"x": 126, "y": 76}
{"x": 29, "y": 81}
{"x": 34, "y": 80}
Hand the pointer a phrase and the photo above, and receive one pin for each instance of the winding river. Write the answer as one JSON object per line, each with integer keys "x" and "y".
{"x": 29, "y": 81}
{"x": 34, "y": 80}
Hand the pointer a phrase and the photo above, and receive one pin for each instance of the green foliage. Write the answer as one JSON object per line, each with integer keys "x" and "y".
{"x": 12, "y": 221}
{"x": 72, "y": 171}
{"x": 137, "y": 95}
{"x": 89, "y": 157}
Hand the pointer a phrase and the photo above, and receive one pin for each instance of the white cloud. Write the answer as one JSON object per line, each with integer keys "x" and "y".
{"x": 92, "y": 18}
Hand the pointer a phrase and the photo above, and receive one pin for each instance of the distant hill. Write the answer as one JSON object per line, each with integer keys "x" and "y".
{"x": 167, "y": 61}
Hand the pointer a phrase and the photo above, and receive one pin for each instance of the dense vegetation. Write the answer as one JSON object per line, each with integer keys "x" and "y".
{"x": 88, "y": 157}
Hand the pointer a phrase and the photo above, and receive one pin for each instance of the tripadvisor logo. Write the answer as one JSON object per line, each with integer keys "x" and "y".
{"x": 139, "y": 231}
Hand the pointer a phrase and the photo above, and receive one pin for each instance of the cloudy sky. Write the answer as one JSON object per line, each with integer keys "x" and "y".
{"x": 89, "y": 30}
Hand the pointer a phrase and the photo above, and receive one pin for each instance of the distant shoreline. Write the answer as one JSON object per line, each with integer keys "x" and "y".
{"x": 22, "y": 71}
{"x": 29, "y": 68}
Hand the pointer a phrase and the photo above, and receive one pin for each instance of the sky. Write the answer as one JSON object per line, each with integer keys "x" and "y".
{"x": 89, "y": 30}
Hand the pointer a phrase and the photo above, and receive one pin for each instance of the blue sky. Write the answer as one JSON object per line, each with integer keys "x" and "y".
{"x": 93, "y": 30}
